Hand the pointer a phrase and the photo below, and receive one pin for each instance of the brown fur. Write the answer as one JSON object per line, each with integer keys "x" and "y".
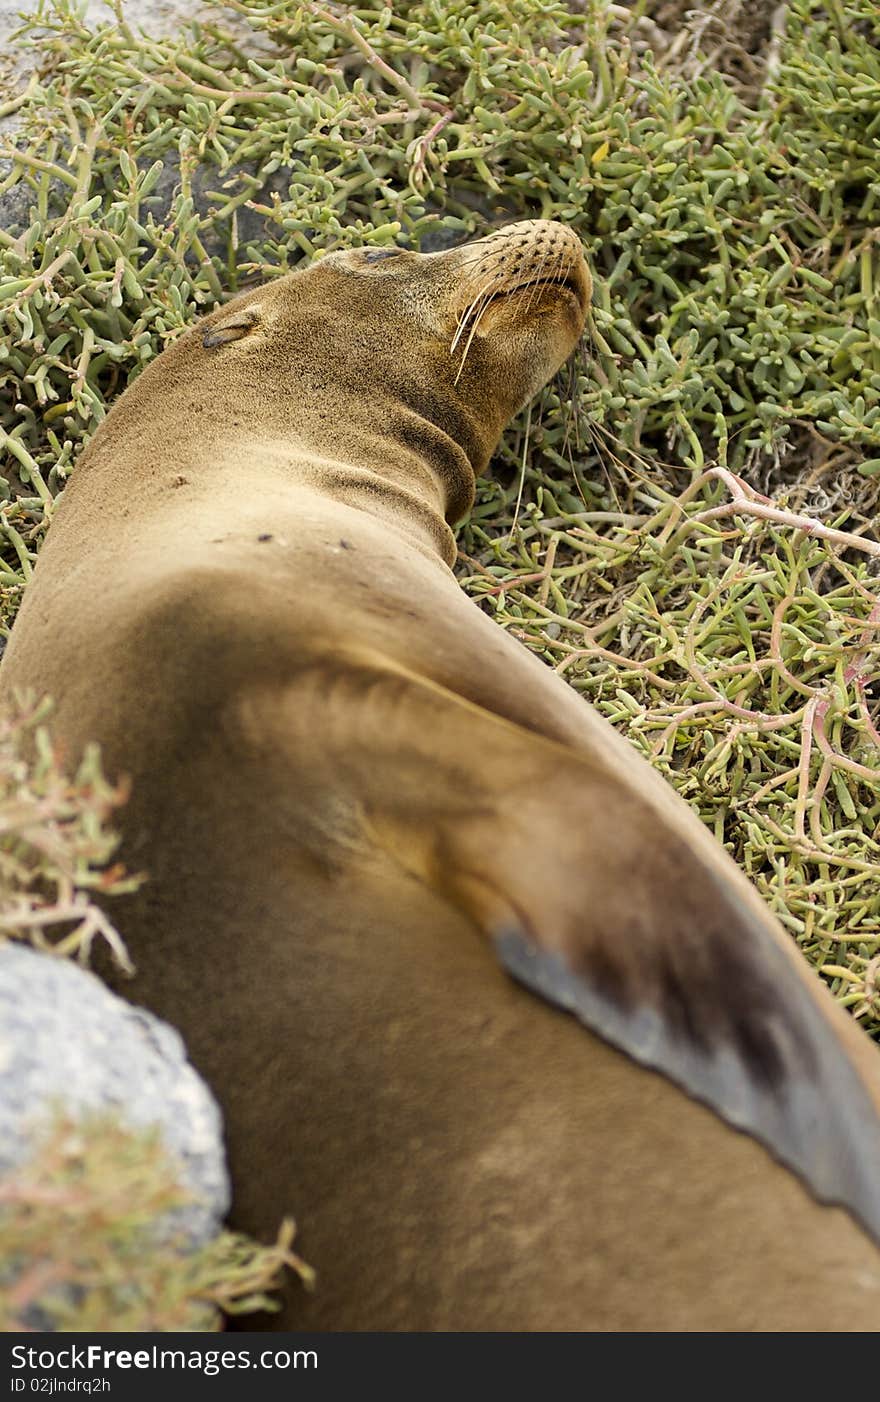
{"x": 343, "y": 774}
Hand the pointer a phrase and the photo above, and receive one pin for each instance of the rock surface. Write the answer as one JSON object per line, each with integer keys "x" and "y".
{"x": 65, "y": 1038}
{"x": 158, "y": 18}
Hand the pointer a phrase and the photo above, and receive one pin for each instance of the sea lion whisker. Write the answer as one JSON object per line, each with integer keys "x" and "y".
{"x": 542, "y": 277}
{"x": 487, "y": 292}
{"x": 522, "y": 471}
{"x": 571, "y": 398}
{"x": 484, "y": 287}
{"x": 533, "y": 283}
{"x": 465, "y": 318}
{"x": 466, "y": 315}
{"x": 470, "y": 340}
{"x": 565, "y": 379}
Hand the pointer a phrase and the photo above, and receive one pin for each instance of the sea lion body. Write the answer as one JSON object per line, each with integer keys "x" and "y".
{"x": 346, "y": 778}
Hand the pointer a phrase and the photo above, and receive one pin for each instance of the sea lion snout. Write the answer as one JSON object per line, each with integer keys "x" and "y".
{"x": 537, "y": 255}
{"x": 520, "y": 305}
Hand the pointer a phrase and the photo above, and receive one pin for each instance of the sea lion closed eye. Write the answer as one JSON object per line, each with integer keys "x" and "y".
{"x": 231, "y": 328}
{"x": 360, "y": 803}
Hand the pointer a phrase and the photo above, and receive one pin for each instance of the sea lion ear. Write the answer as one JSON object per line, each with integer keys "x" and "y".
{"x": 238, "y": 324}
{"x": 601, "y": 893}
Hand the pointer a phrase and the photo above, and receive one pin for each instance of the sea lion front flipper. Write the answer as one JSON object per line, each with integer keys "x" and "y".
{"x": 602, "y": 893}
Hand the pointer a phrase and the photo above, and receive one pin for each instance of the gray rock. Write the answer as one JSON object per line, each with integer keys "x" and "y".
{"x": 20, "y": 58}
{"x": 65, "y": 1038}
{"x": 157, "y": 19}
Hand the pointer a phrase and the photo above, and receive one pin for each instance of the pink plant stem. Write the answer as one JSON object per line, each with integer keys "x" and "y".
{"x": 748, "y": 502}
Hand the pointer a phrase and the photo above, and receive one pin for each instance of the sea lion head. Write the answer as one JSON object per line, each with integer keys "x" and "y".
{"x": 502, "y": 314}
{"x": 464, "y": 337}
{"x": 382, "y": 375}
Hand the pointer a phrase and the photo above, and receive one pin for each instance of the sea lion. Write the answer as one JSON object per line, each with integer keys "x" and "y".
{"x": 361, "y": 805}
